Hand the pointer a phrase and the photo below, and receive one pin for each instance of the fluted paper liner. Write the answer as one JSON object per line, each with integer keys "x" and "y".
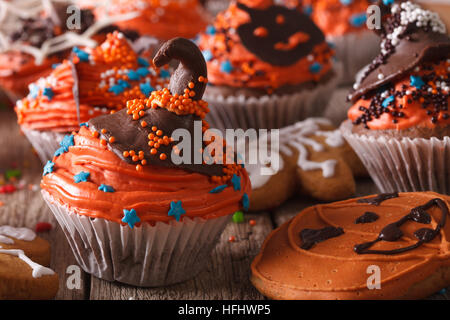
{"x": 146, "y": 256}
{"x": 44, "y": 142}
{"x": 355, "y": 50}
{"x": 270, "y": 112}
{"x": 403, "y": 165}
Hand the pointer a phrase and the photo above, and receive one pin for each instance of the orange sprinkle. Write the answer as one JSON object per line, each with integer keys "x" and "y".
{"x": 126, "y": 154}
{"x": 135, "y": 158}
{"x": 139, "y": 167}
{"x": 153, "y": 151}
{"x": 112, "y": 140}
{"x": 143, "y": 124}
{"x": 159, "y": 133}
{"x": 95, "y": 134}
{"x": 162, "y": 156}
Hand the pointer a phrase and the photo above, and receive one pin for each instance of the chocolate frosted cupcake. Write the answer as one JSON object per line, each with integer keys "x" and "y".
{"x": 399, "y": 123}
{"x": 130, "y": 210}
{"x": 92, "y": 82}
{"x": 269, "y": 66}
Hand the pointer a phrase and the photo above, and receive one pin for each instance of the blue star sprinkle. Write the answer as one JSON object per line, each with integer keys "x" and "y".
{"x": 236, "y": 181}
{"x": 106, "y": 188}
{"x": 84, "y": 124}
{"x": 358, "y": 20}
{"x": 417, "y": 82}
{"x": 143, "y": 72}
{"x": 308, "y": 10}
{"x": 207, "y": 55}
{"x": 117, "y": 89}
{"x": 143, "y": 62}
{"x": 67, "y": 142}
{"x": 55, "y": 65}
{"x": 81, "y": 177}
{"x": 34, "y": 90}
{"x": 130, "y": 217}
{"x": 82, "y": 55}
{"x": 133, "y": 75}
{"x": 48, "y": 92}
{"x": 315, "y": 67}
{"x": 388, "y": 2}
{"x": 218, "y": 189}
{"x": 245, "y": 202}
{"x": 226, "y": 67}
{"x": 346, "y": 2}
{"x": 211, "y": 30}
{"x": 146, "y": 89}
{"x": 176, "y": 210}
{"x": 59, "y": 152}
{"x": 387, "y": 101}
{"x": 164, "y": 74}
{"x": 48, "y": 168}
{"x": 123, "y": 83}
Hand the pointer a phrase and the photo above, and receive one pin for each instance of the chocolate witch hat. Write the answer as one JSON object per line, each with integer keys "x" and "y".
{"x": 411, "y": 36}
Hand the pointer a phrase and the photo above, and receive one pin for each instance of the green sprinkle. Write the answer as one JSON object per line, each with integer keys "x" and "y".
{"x": 238, "y": 217}
{"x": 12, "y": 174}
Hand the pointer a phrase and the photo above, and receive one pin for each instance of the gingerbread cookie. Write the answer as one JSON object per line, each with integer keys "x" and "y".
{"x": 23, "y": 257}
{"x": 388, "y": 246}
{"x": 314, "y": 161}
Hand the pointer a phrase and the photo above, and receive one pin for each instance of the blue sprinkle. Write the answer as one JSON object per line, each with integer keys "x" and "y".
{"x": 236, "y": 181}
{"x": 55, "y": 65}
{"x": 67, "y": 142}
{"x": 143, "y": 72}
{"x": 388, "y": 2}
{"x": 48, "y": 168}
{"x": 123, "y": 83}
{"x": 146, "y": 89}
{"x": 417, "y": 82}
{"x": 133, "y": 75}
{"x": 176, "y": 210}
{"x": 143, "y": 62}
{"x": 346, "y": 2}
{"x": 84, "y": 124}
{"x": 315, "y": 67}
{"x": 106, "y": 188}
{"x": 332, "y": 45}
{"x": 358, "y": 20}
{"x": 130, "y": 217}
{"x": 81, "y": 177}
{"x": 34, "y": 90}
{"x": 226, "y": 67}
{"x": 218, "y": 189}
{"x": 211, "y": 30}
{"x": 308, "y": 10}
{"x": 207, "y": 54}
{"x": 59, "y": 152}
{"x": 117, "y": 89}
{"x": 164, "y": 74}
{"x": 82, "y": 55}
{"x": 443, "y": 291}
{"x": 245, "y": 202}
{"x": 48, "y": 92}
{"x": 387, "y": 101}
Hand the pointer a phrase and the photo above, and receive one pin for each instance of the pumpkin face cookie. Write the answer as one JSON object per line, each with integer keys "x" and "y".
{"x": 388, "y": 246}
{"x": 314, "y": 160}
{"x": 23, "y": 257}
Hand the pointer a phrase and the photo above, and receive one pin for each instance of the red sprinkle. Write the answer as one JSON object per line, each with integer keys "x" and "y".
{"x": 43, "y": 227}
{"x": 8, "y": 188}
{"x": 252, "y": 222}
{"x": 232, "y": 239}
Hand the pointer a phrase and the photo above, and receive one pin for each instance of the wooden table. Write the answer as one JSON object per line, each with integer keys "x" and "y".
{"x": 227, "y": 274}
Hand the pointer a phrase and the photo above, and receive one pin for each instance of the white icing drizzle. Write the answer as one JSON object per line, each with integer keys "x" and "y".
{"x": 26, "y": 235}
{"x": 62, "y": 42}
{"x": 298, "y": 136}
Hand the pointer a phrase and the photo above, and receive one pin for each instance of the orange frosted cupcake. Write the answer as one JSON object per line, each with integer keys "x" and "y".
{"x": 399, "y": 123}
{"x": 92, "y": 82}
{"x": 269, "y": 66}
{"x": 132, "y": 212}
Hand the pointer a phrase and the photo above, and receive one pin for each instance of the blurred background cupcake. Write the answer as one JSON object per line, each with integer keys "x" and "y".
{"x": 399, "y": 123}
{"x": 269, "y": 66}
{"x": 129, "y": 211}
{"x": 92, "y": 82}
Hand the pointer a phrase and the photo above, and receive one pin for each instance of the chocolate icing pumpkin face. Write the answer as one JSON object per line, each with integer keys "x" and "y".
{"x": 279, "y": 35}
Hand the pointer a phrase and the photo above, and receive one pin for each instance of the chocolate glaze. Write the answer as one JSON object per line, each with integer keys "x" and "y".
{"x": 294, "y": 22}
{"x": 414, "y": 49}
{"x": 377, "y": 200}
{"x": 312, "y": 236}
{"x": 392, "y": 231}
{"x": 192, "y": 65}
{"x": 367, "y": 217}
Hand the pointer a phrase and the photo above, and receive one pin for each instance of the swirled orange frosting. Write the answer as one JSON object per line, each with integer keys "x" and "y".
{"x": 336, "y": 18}
{"x": 53, "y": 105}
{"x": 333, "y": 270}
{"x": 163, "y": 19}
{"x": 149, "y": 191}
{"x": 419, "y": 99}
{"x": 248, "y": 70}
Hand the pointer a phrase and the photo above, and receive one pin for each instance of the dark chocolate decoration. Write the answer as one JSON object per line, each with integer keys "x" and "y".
{"x": 294, "y": 22}
{"x": 392, "y": 231}
{"x": 310, "y": 237}
{"x": 367, "y": 217}
{"x": 192, "y": 65}
{"x": 416, "y": 48}
{"x": 377, "y": 200}
{"x": 130, "y": 135}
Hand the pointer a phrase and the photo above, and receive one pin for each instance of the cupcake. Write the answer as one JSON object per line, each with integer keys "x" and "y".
{"x": 269, "y": 66}
{"x": 399, "y": 123}
{"x": 92, "y": 82}
{"x": 162, "y": 20}
{"x": 130, "y": 210}
{"x": 344, "y": 25}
